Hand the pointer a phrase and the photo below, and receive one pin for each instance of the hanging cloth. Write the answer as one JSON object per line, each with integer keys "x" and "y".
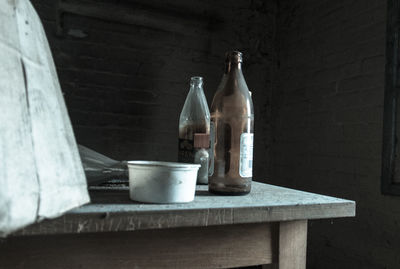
{"x": 41, "y": 174}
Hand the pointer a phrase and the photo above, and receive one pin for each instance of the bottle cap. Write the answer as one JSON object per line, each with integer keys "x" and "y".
{"x": 201, "y": 140}
{"x": 234, "y": 56}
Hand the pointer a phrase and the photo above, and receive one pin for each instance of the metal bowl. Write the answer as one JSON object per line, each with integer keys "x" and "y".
{"x": 162, "y": 182}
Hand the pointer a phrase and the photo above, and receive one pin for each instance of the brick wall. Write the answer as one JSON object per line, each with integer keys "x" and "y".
{"x": 327, "y": 126}
{"x": 125, "y": 77}
{"x": 316, "y": 70}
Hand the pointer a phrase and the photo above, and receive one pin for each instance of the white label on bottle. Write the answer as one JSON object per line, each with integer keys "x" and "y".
{"x": 246, "y": 155}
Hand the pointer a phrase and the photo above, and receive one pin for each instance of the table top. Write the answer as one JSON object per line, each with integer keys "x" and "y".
{"x": 111, "y": 210}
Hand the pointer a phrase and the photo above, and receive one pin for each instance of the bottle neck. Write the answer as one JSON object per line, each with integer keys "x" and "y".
{"x": 234, "y": 79}
{"x": 232, "y": 66}
{"x": 196, "y": 83}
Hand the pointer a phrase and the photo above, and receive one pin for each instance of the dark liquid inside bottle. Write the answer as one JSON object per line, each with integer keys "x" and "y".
{"x": 187, "y": 131}
{"x": 232, "y": 117}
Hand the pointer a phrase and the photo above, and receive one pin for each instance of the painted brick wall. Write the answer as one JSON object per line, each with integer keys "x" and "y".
{"x": 125, "y": 83}
{"x": 327, "y": 126}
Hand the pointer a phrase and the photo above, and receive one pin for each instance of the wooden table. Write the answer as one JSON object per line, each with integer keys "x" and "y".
{"x": 268, "y": 226}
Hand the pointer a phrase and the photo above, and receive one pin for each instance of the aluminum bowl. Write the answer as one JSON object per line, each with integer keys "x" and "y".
{"x": 162, "y": 182}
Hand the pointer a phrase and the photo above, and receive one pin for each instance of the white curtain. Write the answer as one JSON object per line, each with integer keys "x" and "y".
{"x": 41, "y": 175}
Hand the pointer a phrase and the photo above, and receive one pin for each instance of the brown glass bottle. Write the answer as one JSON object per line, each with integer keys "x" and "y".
{"x": 232, "y": 121}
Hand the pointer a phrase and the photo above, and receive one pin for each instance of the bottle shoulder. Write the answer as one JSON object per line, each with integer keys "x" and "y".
{"x": 195, "y": 107}
{"x": 232, "y": 96}
{"x": 232, "y": 103}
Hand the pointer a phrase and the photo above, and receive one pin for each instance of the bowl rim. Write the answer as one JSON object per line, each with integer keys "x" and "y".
{"x": 141, "y": 163}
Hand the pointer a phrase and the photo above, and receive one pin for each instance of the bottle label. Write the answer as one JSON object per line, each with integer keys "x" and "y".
{"x": 186, "y": 151}
{"x": 246, "y": 155}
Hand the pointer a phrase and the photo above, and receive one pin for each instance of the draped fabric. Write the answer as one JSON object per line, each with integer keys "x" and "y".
{"x": 41, "y": 174}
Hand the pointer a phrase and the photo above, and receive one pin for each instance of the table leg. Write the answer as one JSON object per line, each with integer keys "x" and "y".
{"x": 292, "y": 244}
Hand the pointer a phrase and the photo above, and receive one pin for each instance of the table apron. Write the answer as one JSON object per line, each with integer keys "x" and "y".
{"x": 220, "y": 246}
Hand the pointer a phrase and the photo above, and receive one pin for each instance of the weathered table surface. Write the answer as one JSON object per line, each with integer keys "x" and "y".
{"x": 268, "y": 226}
{"x": 112, "y": 210}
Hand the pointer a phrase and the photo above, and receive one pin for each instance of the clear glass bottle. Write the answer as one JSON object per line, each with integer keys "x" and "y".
{"x": 194, "y": 124}
{"x": 232, "y": 120}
